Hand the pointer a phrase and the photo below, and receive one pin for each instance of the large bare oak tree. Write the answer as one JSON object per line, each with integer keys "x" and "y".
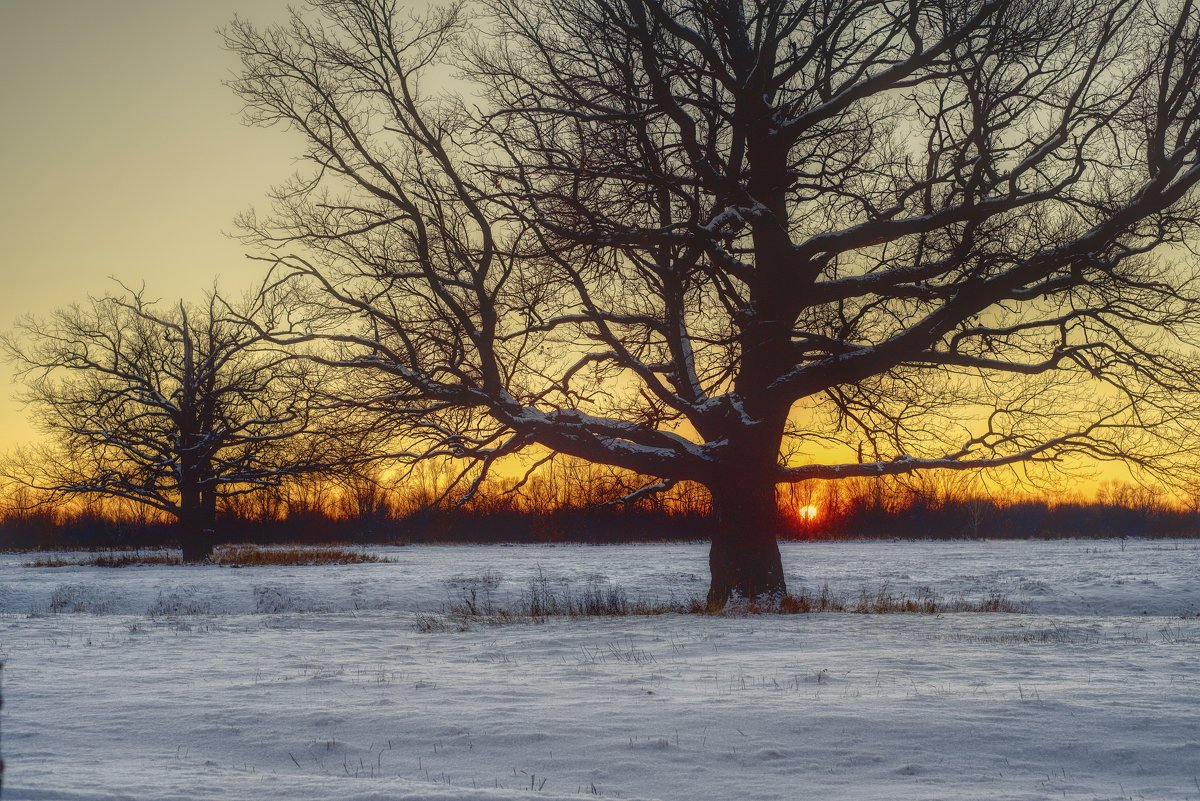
{"x": 173, "y": 407}
{"x": 744, "y": 242}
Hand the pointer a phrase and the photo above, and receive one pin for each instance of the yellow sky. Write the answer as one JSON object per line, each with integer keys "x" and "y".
{"x": 122, "y": 154}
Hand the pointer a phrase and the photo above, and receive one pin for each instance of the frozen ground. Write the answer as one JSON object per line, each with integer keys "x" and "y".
{"x": 313, "y": 683}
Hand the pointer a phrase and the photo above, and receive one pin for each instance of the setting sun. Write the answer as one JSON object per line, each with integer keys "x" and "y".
{"x": 808, "y": 512}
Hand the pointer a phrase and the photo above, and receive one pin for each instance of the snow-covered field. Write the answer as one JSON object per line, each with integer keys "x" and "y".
{"x": 314, "y": 682}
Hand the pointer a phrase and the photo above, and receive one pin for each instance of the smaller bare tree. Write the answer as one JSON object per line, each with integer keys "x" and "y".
{"x": 171, "y": 407}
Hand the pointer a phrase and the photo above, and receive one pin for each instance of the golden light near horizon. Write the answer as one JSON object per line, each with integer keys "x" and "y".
{"x": 808, "y": 513}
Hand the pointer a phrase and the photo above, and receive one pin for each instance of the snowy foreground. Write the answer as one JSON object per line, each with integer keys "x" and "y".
{"x": 314, "y": 682}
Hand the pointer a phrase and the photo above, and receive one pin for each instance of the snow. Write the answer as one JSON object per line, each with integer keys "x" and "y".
{"x": 164, "y": 682}
{"x": 728, "y": 216}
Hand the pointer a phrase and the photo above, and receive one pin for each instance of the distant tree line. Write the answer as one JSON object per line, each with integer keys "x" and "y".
{"x": 936, "y": 510}
{"x": 573, "y": 501}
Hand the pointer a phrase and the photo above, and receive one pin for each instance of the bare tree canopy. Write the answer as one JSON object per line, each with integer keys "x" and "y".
{"x": 173, "y": 407}
{"x": 694, "y": 239}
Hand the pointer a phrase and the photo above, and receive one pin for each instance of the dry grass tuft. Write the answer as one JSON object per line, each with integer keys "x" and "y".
{"x": 544, "y": 599}
{"x": 118, "y": 559}
{"x": 880, "y": 602}
{"x": 229, "y": 555}
{"x": 253, "y": 556}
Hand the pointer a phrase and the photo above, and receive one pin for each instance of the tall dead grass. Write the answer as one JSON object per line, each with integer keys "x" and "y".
{"x": 544, "y": 599}
{"x": 227, "y": 555}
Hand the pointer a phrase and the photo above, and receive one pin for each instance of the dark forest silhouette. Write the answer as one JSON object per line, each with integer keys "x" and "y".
{"x": 555, "y": 511}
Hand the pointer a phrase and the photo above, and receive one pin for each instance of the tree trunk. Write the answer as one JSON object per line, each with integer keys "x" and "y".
{"x": 195, "y": 527}
{"x": 196, "y": 541}
{"x": 744, "y": 557}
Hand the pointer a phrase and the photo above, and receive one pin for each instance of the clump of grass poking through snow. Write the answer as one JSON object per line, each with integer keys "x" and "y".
{"x": 79, "y": 599}
{"x": 230, "y": 555}
{"x": 878, "y": 602}
{"x": 249, "y": 555}
{"x": 116, "y": 559}
{"x": 180, "y": 602}
{"x": 544, "y": 599}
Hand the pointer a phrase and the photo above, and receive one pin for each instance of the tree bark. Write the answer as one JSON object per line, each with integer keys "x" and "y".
{"x": 196, "y": 541}
{"x": 744, "y": 560}
{"x": 195, "y": 527}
